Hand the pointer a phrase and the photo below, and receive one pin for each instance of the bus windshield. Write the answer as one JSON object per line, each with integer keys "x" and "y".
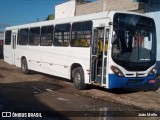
{"x": 134, "y": 41}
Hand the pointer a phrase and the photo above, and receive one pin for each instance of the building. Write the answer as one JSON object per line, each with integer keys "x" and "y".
{"x": 106, "y": 5}
{"x": 65, "y": 10}
{"x": 82, "y": 7}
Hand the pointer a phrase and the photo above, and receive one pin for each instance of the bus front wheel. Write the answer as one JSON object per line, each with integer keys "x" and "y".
{"x": 24, "y": 67}
{"x": 78, "y": 78}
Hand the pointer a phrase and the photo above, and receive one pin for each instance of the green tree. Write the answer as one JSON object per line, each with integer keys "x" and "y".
{"x": 51, "y": 17}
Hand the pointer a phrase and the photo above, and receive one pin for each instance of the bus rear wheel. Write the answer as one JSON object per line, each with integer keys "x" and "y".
{"x": 24, "y": 67}
{"x": 78, "y": 78}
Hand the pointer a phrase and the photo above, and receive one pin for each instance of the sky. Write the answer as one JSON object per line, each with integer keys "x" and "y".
{"x": 15, "y": 12}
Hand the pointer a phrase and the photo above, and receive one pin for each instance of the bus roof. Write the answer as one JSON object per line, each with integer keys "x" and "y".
{"x": 93, "y": 16}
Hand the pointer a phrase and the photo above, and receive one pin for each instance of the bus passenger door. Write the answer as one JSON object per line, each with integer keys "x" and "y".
{"x": 97, "y": 56}
{"x": 14, "y": 43}
{"x": 105, "y": 60}
{"x": 94, "y": 56}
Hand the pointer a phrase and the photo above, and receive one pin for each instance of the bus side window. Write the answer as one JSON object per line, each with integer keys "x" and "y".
{"x": 81, "y": 34}
{"x": 34, "y": 36}
{"x": 23, "y": 36}
{"x": 8, "y": 37}
{"x": 62, "y": 35}
{"x": 46, "y": 36}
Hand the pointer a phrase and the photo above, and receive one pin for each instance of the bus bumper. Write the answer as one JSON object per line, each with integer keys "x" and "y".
{"x": 124, "y": 82}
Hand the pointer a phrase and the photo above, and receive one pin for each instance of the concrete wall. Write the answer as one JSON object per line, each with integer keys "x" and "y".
{"x": 65, "y": 10}
{"x": 88, "y": 8}
{"x": 71, "y": 8}
{"x": 125, "y": 5}
{"x": 105, "y": 5}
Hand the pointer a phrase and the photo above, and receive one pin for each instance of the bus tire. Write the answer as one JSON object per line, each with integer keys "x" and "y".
{"x": 24, "y": 67}
{"x": 78, "y": 78}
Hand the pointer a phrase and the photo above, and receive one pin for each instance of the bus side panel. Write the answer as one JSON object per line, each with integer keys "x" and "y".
{"x": 54, "y": 60}
{"x": 18, "y": 57}
{"x": 29, "y": 54}
{"x": 57, "y": 61}
{"x": 8, "y": 54}
{"x": 50, "y": 60}
{"x": 80, "y": 56}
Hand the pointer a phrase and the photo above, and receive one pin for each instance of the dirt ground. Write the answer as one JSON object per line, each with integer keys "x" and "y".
{"x": 57, "y": 98}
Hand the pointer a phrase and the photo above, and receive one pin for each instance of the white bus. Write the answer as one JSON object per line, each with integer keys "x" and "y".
{"x": 111, "y": 49}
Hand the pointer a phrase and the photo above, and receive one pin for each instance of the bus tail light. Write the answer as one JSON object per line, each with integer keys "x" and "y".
{"x": 153, "y": 71}
{"x": 117, "y": 71}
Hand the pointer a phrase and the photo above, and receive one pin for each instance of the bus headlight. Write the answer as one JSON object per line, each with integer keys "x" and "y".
{"x": 153, "y": 71}
{"x": 117, "y": 71}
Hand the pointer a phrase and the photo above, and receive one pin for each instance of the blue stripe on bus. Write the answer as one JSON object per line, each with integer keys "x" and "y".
{"x": 122, "y": 82}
